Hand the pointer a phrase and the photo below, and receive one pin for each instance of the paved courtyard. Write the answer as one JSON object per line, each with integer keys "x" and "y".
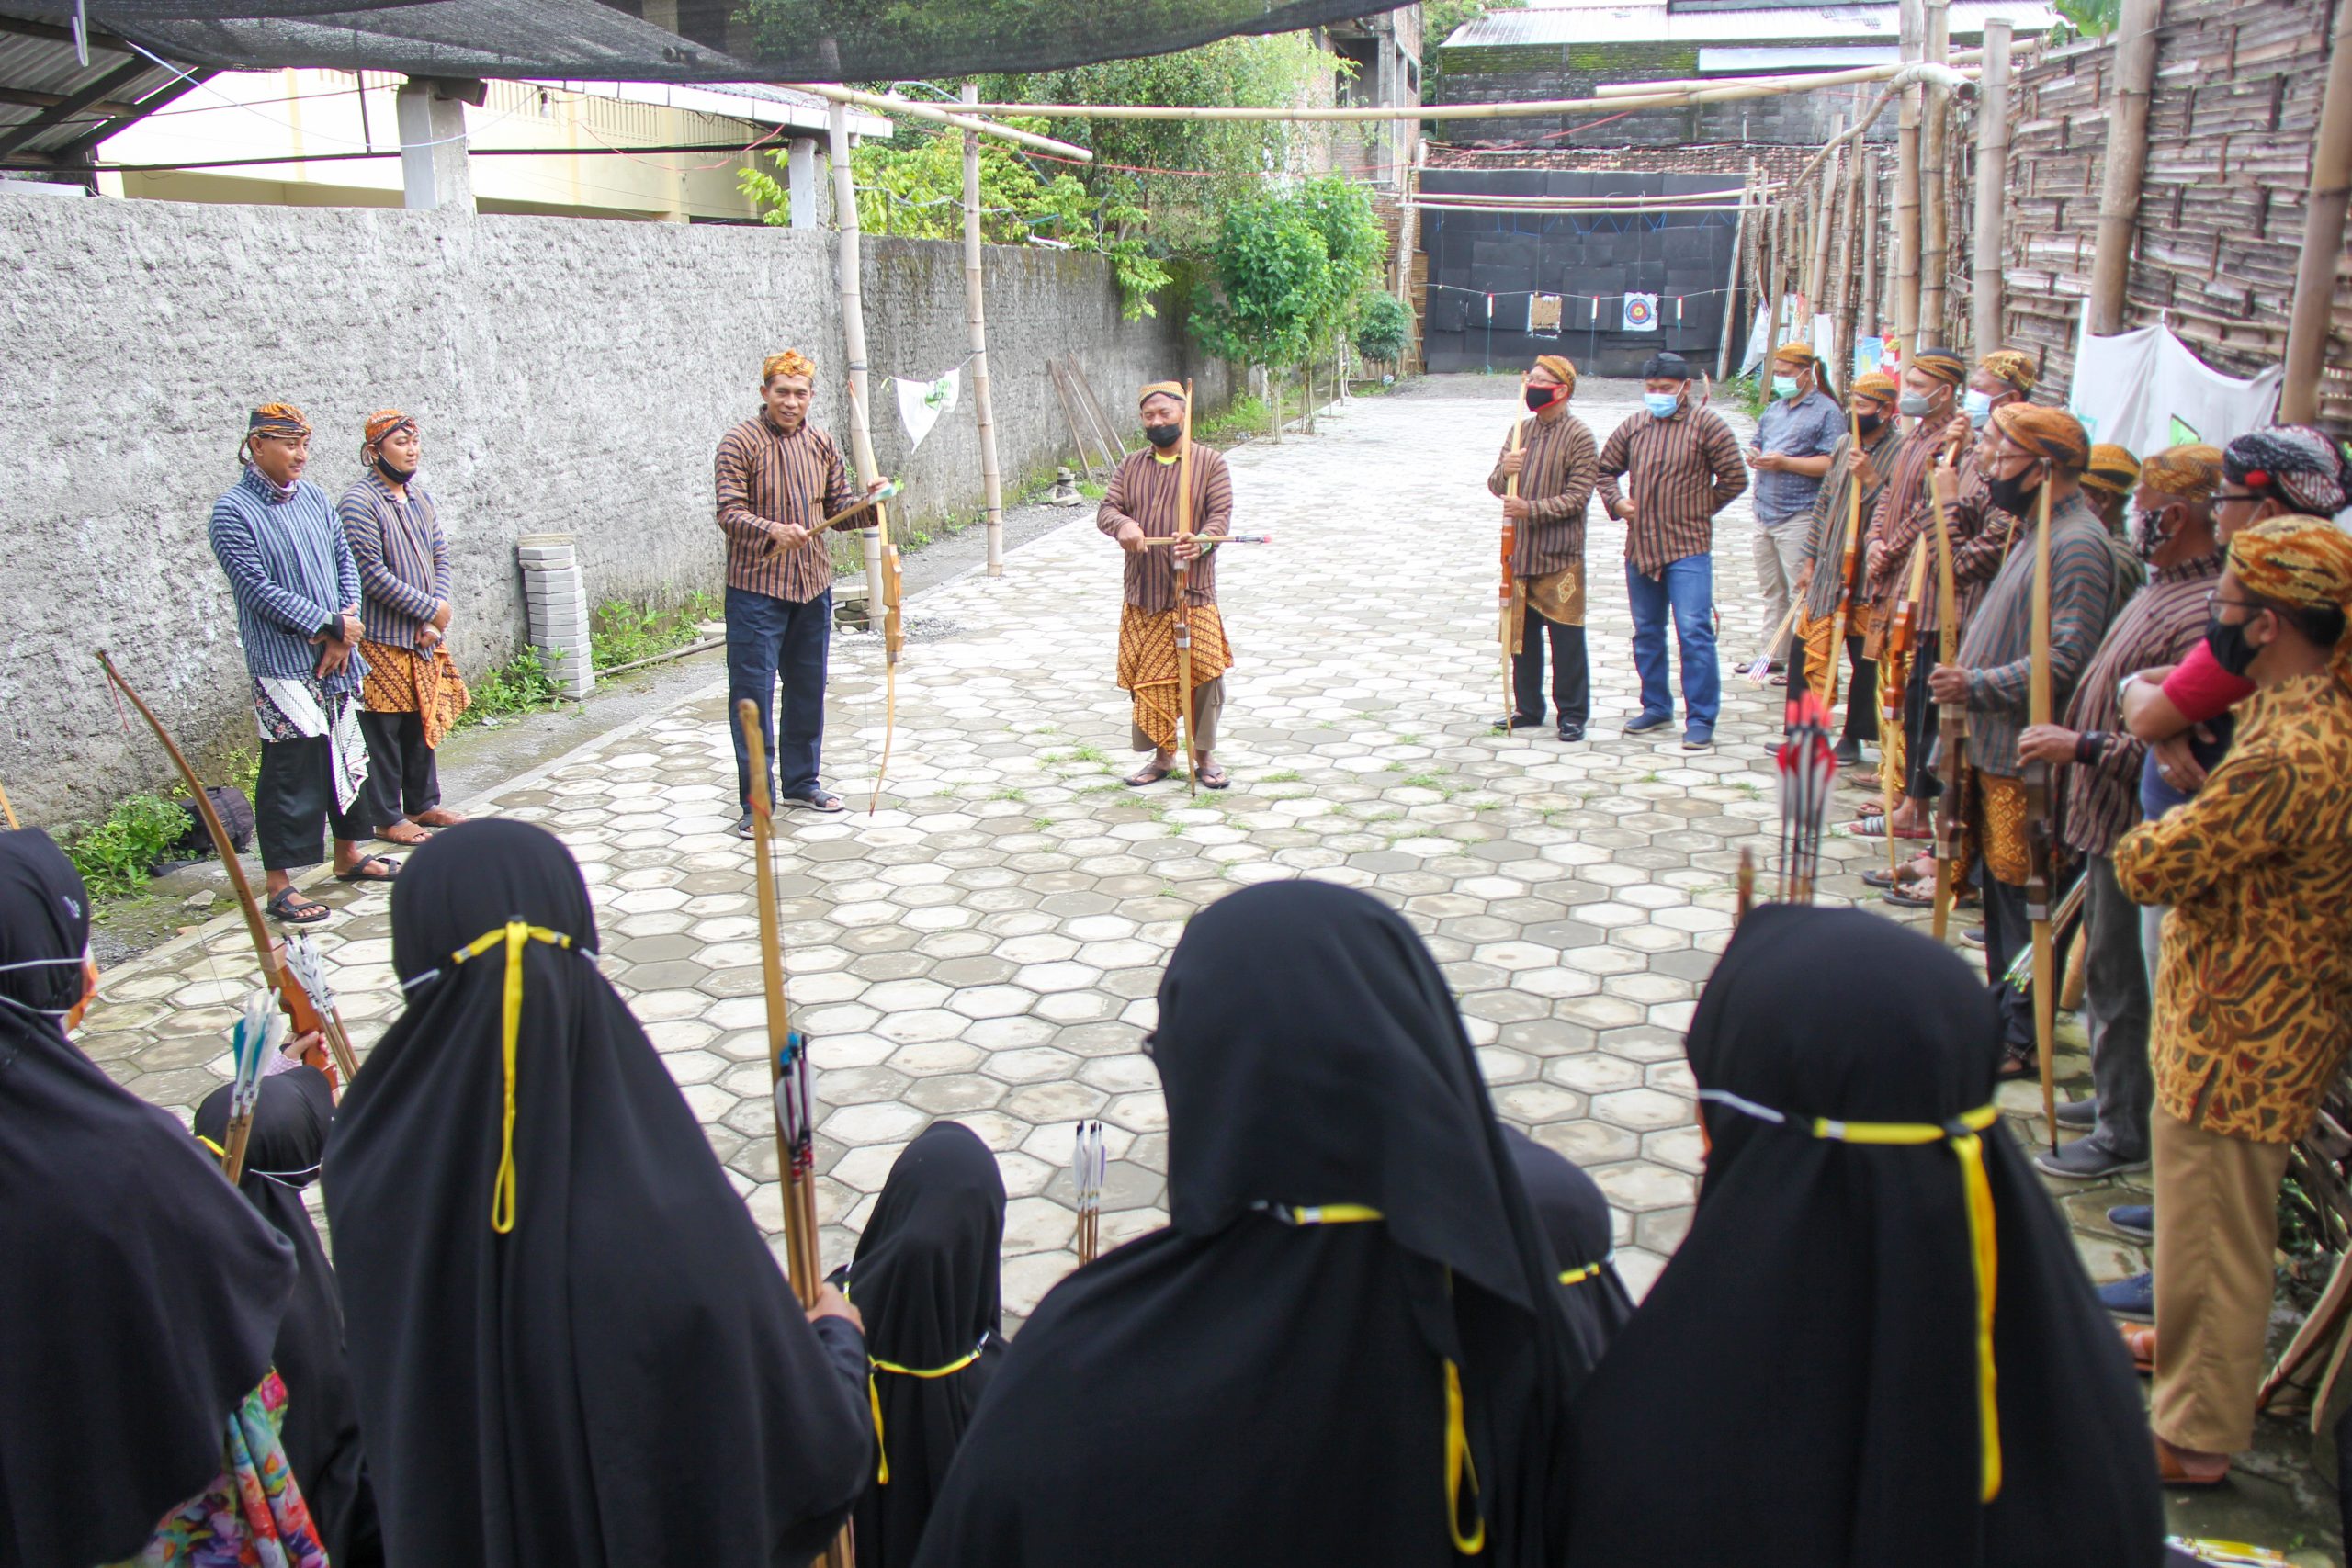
{"x": 987, "y": 946}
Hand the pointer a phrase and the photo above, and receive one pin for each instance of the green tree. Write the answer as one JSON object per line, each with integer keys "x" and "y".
{"x": 1384, "y": 328}
{"x": 1288, "y": 268}
{"x": 1439, "y": 20}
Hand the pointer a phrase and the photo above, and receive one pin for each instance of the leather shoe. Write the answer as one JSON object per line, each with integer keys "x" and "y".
{"x": 1570, "y": 731}
{"x": 1848, "y": 753}
{"x": 2087, "y": 1159}
{"x": 1519, "y": 721}
{"x": 2134, "y": 1297}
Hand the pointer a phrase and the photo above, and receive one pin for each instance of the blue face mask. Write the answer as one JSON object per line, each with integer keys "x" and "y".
{"x": 1662, "y": 405}
{"x": 1978, "y": 407}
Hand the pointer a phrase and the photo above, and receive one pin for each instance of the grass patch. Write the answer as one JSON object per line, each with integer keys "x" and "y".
{"x": 115, "y": 856}
{"x": 1012, "y": 794}
{"x": 623, "y": 633}
{"x": 1092, "y": 491}
{"x": 1427, "y": 781}
{"x": 1288, "y": 776}
{"x": 1244, "y": 414}
{"x": 521, "y": 686}
{"x": 1094, "y": 755}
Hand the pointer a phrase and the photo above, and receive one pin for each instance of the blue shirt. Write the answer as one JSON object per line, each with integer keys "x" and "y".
{"x": 291, "y": 572}
{"x": 1808, "y": 427}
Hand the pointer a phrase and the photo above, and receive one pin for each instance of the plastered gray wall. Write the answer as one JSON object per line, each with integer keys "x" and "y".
{"x": 570, "y": 375}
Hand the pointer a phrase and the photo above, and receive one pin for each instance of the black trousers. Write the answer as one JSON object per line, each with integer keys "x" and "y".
{"x": 294, "y": 802}
{"x": 1862, "y": 686}
{"x": 1571, "y": 675}
{"x": 402, "y": 777}
{"x": 2007, "y": 933}
{"x": 1920, "y": 722}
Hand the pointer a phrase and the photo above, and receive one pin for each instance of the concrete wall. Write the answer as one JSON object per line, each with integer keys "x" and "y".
{"x": 570, "y": 375}
{"x": 1532, "y": 73}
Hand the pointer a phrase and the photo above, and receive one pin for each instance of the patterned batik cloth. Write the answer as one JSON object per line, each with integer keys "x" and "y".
{"x": 1148, "y": 664}
{"x": 1894, "y": 741}
{"x": 402, "y": 680}
{"x": 1815, "y": 635}
{"x": 303, "y": 710}
{"x": 1558, "y": 596}
{"x": 1997, "y": 821}
{"x": 253, "y": 1515}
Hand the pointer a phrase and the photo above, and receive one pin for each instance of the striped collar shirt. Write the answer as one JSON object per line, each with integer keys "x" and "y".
{"x": 765, "y": 477}
{"x": 1806, "y": 427}
{"x": 1825, "y": 541}
{"x": 1680, "y": 472}
{"x": 403, "y": 560}
{"x": 1905, "y": 523}
{"x": 1143, "y": 492}
{"x": 1997, "y": 649}
{"x": 2160, "y": 624}
{"x": 1556, "y": 479}
{"x": 290, "y": 571}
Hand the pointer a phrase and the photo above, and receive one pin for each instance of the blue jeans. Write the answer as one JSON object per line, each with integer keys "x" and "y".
{"x": 767, "y": 636}
{"x": 1689, "y": 589}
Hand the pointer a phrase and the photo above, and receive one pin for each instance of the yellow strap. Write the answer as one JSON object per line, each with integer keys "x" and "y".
{"x": 1579, "y": 1275}
{"x": 874, "y": 1396}
{"x": 512, "y": 935}
{"x": 209, "y": 1144}
{"x": 1983, "y": 1247}
{"x": 1459, "y": 1464}
{"x": 1325, "y": 1213}
{"x": 881, "y": 1448}
{"x": 950, "y": 1369}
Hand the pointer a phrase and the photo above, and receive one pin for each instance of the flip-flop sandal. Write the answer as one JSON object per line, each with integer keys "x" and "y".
{"x": 360, "y": 872}
{"x": 1872, "y": 824}
{"x": 1212, "y": 778}
{"x": 386, "y": 838}
{"x": 1148, "y": 776}
{"x": 2139, "y": 1339}
{"x": 283, "y": 903}
{"x": 1904, "y": 898}
{"x": 436, "y": 817}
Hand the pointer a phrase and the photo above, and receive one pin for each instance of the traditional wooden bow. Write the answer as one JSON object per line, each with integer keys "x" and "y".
{"x": 894, "y": 636}
{"x": 1185, "y": 738}
{"x": 8, "y": 811}
{"x": 1951, "y": 724}
{"x": 1507, "y": 599}
{"x": 1836, "y": 655}
{"x": 2038, "y": 847}
{"x": 302, "y": 1013}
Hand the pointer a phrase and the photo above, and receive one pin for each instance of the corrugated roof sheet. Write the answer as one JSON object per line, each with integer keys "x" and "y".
{"x": 1603, "y": 23}
{"x": 40, "y": 77}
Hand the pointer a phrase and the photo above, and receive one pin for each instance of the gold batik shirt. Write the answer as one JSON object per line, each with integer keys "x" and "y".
{"x": 2255, "y": 980}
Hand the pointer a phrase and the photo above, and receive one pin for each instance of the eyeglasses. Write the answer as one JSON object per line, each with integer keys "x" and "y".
{"x": 2223, "y": 498}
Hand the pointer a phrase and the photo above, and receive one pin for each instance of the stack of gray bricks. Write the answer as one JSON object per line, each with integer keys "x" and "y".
{"x": 555, "y": 602}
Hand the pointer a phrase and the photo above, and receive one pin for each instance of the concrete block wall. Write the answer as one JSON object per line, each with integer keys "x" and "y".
{"x": 1532, "y": 73}
{"x": 570, "y": 375}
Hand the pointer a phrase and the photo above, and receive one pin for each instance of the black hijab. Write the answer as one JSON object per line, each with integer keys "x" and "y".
{"x": 1246, "y": 1388}
{"x": 1801, "y": 1385}
{"x": 1575, "y": 1217}
{"x": 140, "y": 1295}
{"x": 623, "y": 1377}
{"x": 925, "y": 1281}
{"x": 322, "y": 1431}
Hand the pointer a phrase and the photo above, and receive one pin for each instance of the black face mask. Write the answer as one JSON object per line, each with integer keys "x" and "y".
{"x": 1542, "y": 398}
{"x": 396, "y": 476}
{"x": 2148, "y": 536}
{"x": 1163, "y": 436}
{"x": 1868, "y": 424}
{"x": 2227, "y": 641}
{"x": 2011, "y": 494}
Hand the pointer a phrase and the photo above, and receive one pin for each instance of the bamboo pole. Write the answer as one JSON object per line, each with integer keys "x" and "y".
{"x": 1895, "y": 87}
{"x": 1697, "y": 200}
{"x": 1868, "y": 323}
{"x": 1935, "y": 153}
{"x": 2126, "y": 162}
{"x": 1731, "y": 283}
{"x": 838, "y": 97}
{"x": 848, "y": 264}
{"x": 975, "y": 314}
{"x": 1825, "y": 211}
{"x": 1849, "y": 230}
{"x": 1914, "y": 19}
{"x": 1861, "y": 74}
{"x": 1775, "y": 285}
{"x": 1992, "y": 186}
{"x": 2316, "y": 273}
{"x": 1502, "y": 204}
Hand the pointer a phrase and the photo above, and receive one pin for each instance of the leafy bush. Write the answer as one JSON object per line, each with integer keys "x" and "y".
{"x": 115, "y": 856}
{"x": 522, "y": 686}
{"x": 1384, "y": 328}
{"x": 623, "y": 633}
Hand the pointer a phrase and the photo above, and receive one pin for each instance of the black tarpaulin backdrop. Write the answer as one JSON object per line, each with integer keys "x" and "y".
{"x": 690, "y": 40}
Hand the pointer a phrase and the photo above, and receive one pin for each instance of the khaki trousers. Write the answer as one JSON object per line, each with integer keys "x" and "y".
{"x": 2217, "y": 1226}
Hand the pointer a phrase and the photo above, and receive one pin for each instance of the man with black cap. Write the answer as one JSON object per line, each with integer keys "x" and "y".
{"x": 1681, "y": 464}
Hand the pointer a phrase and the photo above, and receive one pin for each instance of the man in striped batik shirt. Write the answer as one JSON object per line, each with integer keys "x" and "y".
{"x": 779, "y": 475}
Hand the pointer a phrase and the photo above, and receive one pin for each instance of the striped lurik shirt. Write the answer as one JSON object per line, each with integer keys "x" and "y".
{"x": 1825, "y": 539}
{"x": 1905, "y": 521}
{"x": 2160, "y": 624}
{"x": 291, "y": 573}
{"x": 1143, "y": 492}
{"x": 403, "y": 560}
{"x": 1557, "y": 479}
{"x": 766, "y": 476}
{"x": 1680, "y": 471}
{"x": 1997, "y": 649}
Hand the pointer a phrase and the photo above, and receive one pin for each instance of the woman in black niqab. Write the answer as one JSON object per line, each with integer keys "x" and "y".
{"x": 1352, "y": 1292}
{"x": 925, "y": 1280}
{"x": 1575, "y": 1216}
{"x": 141, "y": 1293}
{"x": 322, "y": 1431}
{"x": 586, "y": 1355}
{"x": 1804, "y": 1383}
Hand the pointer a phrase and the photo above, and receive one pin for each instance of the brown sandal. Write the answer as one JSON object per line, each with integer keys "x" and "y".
{"x": 2139, "y": 1339}
{"x": 2172, "y": 1472}
{"x": 1151, "y": 774}
{"x": 436, "y": 817}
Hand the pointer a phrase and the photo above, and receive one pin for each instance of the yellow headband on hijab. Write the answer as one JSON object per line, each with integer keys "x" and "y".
{"x": 791, "y": 362}
{"x": 2010, "y": 365}
{"x": 2192, "y": 472}
{"x": 2111, "y": 469}
{"x": 1161, "y": 390}
{"x": 2048, "y": 433}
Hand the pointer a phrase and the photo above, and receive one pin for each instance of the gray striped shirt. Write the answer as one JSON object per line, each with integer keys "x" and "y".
{"x": 403, "y": 560}
{"x": 291, "y": 573}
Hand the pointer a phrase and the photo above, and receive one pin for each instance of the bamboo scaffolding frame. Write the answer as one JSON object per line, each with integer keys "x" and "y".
{"x": 1992, "y": 188}
{"x": 977, "y": 320}
{"x": 2323, "y": 252}
{"x": 2124, "y": 166}
{"x": 1935, "y": 213}
{"x": 1907, "y": 185}
{"x": 1859, "y": 75}
{"x": 848, "y": 266}
{"x": 841, "y": 97}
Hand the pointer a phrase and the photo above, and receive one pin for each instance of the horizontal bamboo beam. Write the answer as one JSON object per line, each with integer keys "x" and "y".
{"x": 1811, "y": 79}
{"x": 1596, "y": 203}
{"x": 913, "y": 110}
{"x": 1482, "y": 204}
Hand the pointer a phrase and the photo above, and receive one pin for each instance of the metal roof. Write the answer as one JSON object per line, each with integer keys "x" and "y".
{"x": 54, "y": 108}
{"x": 758, "y": 102}
{"x": 1620, "y": 23}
